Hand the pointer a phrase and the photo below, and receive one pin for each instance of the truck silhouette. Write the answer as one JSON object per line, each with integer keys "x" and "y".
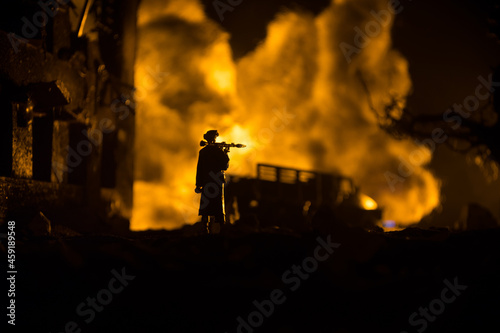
{"x": 291, "y": 198}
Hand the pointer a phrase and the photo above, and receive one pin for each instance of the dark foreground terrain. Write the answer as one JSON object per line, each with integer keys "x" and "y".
{"x": 273, "y": 281}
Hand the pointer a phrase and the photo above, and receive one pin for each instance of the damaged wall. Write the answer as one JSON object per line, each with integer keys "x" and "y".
{"x": 66, "y": 144}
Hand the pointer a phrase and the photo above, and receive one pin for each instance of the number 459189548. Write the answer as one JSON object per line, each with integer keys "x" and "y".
{"x": 11, "y": 225}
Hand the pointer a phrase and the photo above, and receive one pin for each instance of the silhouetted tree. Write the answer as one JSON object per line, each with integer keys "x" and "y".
{"x": 473, "y": 129}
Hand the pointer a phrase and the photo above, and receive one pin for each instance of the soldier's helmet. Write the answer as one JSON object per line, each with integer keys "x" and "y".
{"x": 211, "y": 135}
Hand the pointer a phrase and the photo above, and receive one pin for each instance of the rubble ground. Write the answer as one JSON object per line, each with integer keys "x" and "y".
{"x": 181, "y": 282}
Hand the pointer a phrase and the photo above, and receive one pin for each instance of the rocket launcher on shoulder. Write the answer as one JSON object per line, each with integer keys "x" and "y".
{"x": 222, "y": 145}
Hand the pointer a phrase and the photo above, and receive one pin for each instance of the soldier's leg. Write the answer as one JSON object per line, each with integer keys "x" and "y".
{"x": 204, "y": 224}
{"x": 213, "y": 226}
{"x": 221, "y": 217}
{"x": 220, "y": 220}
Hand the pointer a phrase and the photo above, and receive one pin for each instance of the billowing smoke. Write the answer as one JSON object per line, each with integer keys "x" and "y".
{"x": 297, "y": 100}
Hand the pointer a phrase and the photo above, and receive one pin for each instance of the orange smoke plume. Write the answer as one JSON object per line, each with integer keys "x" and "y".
{"x": 295, "y": 101}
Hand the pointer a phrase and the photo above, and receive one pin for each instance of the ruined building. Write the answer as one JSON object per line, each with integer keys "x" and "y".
{"x": 67, "y": 112}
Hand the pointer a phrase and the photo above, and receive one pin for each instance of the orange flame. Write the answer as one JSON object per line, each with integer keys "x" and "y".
{"x": 367, "y": 202}
{"x": 294, "y": 101}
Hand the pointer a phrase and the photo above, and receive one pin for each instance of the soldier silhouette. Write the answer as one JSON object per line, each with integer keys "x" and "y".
{"x": 210, "y": 179}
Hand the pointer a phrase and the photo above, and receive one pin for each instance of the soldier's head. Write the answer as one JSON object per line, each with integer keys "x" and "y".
{"x": 211, "y": 135}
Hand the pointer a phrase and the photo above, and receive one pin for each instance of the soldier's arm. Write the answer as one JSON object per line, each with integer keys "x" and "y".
{"x": 225, "y": 161}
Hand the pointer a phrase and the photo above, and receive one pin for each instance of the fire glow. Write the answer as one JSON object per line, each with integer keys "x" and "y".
{"x": 294, "y": 101}
{"x": 367, "y": 202}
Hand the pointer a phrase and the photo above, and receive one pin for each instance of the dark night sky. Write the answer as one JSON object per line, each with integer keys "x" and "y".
{"x": 447, "y": 44}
